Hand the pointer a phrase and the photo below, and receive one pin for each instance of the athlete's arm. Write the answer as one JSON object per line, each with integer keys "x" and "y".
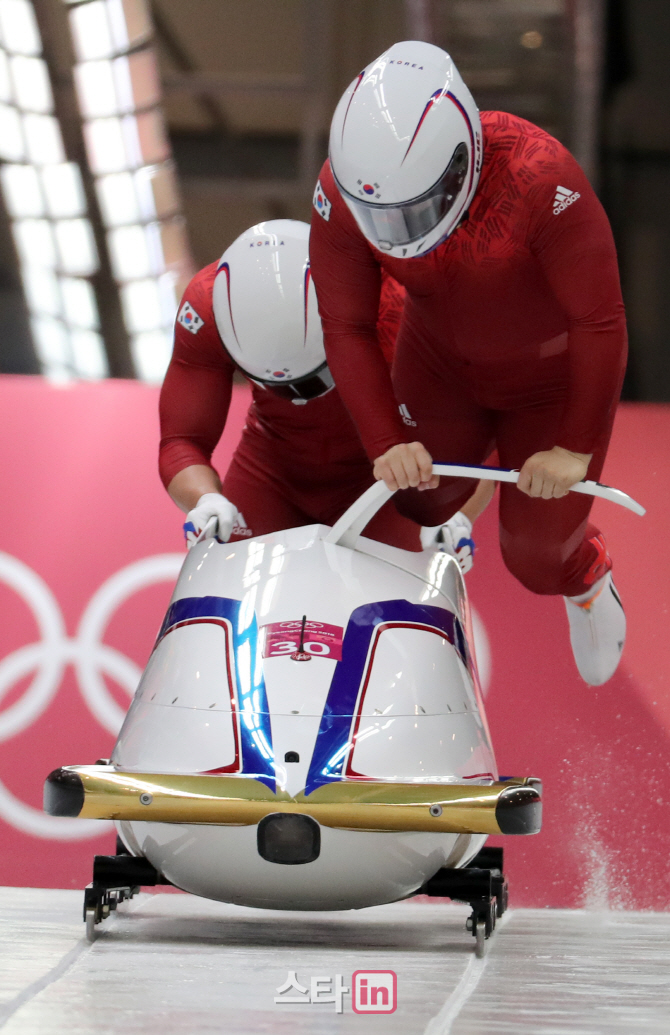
{"x": 347, "y": 279}
{"x": 406, "y": 463}
{"x": 574, "y": 245}
{"x": 573, "y": 242}
{"x": 194, "y": 403}
{"x": 189, "y": 485}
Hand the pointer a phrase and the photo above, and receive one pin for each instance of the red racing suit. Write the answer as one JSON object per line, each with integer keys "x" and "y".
{"x": 513, "y": 336}
{"x": 294, "y": 465}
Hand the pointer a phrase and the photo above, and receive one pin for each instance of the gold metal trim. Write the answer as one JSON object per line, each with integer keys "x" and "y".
{"x": 241, "y": 801}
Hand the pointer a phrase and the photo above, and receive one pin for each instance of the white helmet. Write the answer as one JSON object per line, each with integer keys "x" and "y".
{"x": 266, "y": 310}
{"x": 406, "y": 149}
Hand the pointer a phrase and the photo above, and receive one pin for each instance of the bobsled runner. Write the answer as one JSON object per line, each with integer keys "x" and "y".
{"x": 309, "y": 734}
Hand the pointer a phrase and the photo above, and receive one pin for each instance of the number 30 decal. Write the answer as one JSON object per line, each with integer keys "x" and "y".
{"x": 290, "y": 646}
{"x": 319, "y": 640}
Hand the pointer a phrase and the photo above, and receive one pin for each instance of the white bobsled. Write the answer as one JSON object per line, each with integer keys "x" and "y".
{"x": 309, "y": 732}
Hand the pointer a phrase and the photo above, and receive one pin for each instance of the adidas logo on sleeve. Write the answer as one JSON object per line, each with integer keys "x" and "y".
{"x": 240, "y": 527}
{"x": 564, "y": 198}
{"x": 406, "y": 416}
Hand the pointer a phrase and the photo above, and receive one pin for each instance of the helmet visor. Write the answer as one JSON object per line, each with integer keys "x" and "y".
{"x": 388, "y": 226}
{"x": 311, "y": 386}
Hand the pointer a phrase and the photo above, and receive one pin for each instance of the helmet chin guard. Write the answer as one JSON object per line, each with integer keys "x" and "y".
{"x": 406, "y": 149}
{"x": 266, "y": 310}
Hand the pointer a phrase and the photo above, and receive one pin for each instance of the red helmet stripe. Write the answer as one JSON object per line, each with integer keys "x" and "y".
{"x": 455, "y": 100}
{"x": 360, "y": 76}
{"x": 470, "y": 131}
{"x": 308, "y": 277}
{"x": 438, "y": 93}
{"x": 226, "y": 269}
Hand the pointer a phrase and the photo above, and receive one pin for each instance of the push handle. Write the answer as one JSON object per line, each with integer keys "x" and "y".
{"x": 347, "y": 529}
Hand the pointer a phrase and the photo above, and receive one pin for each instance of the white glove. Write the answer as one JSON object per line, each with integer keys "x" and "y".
{"x": 454, "y": 537}
{"x": 211, "y": 505}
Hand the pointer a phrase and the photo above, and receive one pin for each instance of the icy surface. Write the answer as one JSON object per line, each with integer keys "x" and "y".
{"x": 177, "y": 965}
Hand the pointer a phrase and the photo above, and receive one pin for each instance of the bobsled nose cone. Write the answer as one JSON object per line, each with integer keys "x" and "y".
{"x": 289, "y": 838}
{"x": 519, "y": 811}
{"x": 63, "y": 793}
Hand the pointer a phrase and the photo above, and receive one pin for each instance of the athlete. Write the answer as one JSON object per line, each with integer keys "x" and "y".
{"x": 300, "y": 460}
{"x": 513, "y": 332}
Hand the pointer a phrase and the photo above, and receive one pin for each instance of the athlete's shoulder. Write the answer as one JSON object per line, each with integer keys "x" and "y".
{"x": 325, "y": 192}
{"x": 327, "y": 202}
{"x": 198, "y": 297}
{"x": 517, "y": 150}
{"x": 528, "y": 174}
{"x": 517, "y": 139}
{"x": 196, "y": 332}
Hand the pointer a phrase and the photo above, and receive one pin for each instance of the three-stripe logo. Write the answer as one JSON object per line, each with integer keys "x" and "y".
{"x": 406, "y": 416}
{"x": 564, "y": 198}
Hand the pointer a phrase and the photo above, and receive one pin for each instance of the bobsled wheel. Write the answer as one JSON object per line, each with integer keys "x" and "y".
{"x": 480, "y": 938}
{"x": 90, "y": 919}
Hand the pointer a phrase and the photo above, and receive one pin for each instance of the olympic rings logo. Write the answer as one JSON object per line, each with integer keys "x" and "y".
{"x": 87, "y": 653}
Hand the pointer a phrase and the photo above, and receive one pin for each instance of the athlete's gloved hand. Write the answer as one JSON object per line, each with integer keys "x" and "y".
{"x": 409, "y": 464}
{"x": 454, "y": 537}
{"x": 212, "y": 504}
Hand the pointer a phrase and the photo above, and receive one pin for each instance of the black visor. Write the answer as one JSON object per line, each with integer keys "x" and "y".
{"x": 311, "y": 386}
{"x": 388, "y": 226}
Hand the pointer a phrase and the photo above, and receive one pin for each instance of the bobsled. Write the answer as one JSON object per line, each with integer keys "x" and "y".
{"x": 309, "y": 734}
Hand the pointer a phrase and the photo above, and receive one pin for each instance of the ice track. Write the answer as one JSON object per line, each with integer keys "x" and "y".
{"x": 177, "y": 965}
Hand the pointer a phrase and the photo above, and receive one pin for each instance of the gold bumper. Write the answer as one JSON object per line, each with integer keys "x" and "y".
{"x": 101, "y": 792}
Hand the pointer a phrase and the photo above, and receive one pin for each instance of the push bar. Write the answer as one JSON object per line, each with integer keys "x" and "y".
{"x": 346, "y": 530}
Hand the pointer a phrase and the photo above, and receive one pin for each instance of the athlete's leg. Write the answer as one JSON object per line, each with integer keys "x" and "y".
{"x": 548, "y": 545}
{"x": 440, "y": 411}
{"x": 260, "y": 501}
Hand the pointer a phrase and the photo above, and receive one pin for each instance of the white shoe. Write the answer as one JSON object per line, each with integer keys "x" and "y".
{"x": 597, "y": 631}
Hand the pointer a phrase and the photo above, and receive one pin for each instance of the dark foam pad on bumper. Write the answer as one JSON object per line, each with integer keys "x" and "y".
{"x": 63, "y": 793}
{"x": 289, "y": 838}
{"x": 519, "y": 811}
